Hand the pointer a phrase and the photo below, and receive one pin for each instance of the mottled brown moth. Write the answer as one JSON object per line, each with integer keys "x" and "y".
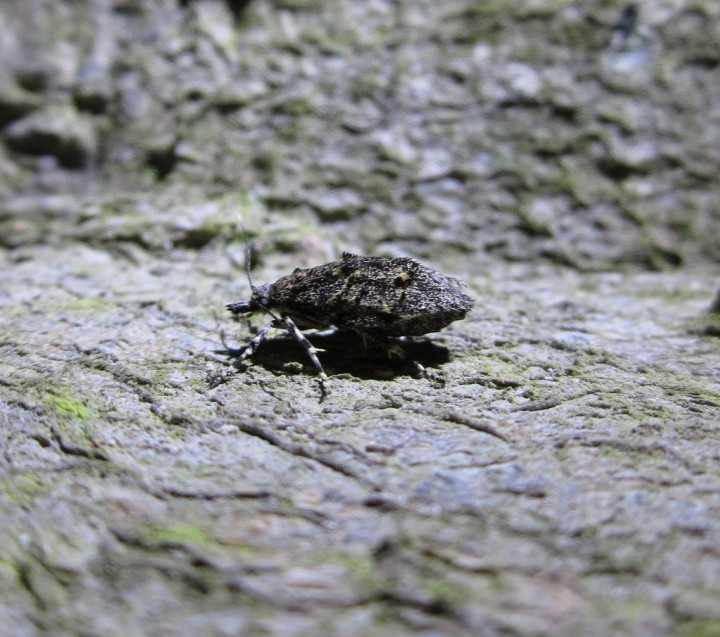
{"x": 377, "y": 297}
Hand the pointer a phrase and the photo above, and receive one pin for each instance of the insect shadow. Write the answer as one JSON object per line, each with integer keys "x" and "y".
{"x": 345, "y": 353}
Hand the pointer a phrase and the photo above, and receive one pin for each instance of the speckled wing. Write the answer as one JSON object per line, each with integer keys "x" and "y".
{"x": 393, "y": 297}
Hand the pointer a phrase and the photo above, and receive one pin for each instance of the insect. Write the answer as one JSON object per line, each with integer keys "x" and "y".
{"x": 377, "y": 297}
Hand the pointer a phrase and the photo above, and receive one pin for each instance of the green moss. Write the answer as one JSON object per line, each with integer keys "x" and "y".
{"x": 297, "y": 5}
{"x": 335, "y": 43}
{"x": 365, "y": 85}
{"x": 363, "y": 571}
{"x": 496, "y": 366}
{"x": 296, "y": 107}
{"x": 582, "y": 35}
{"x": 588, "y": 533}
{"x": 157, "y": 370}
{"x": 536, "y": 53}
{"x": 657, "y": 257}
{"x": 697, "y": 628}
{"x": 268, "y": 163}
{"x": 22, "y": 489}
{"x": 486, "y": 21}
{"x": 617, "y": 118}
{"x": 445, "y": 594}
{"x": 632, "y": 608}
{"x": 65, "y": 403}
{"x": 708, "y": 325}
{"x": 90, "y": 304}
{"x": 46, "y": 588}
{"x": 609, "y": 451}
{"x": 685, "y": 227}
{"x": 480, "y": 11}
{"x": 196, "y": 238}
{"x": 178, "y": 534}
{"x": 684, "y": 389}
{"x": 565, "y": 182}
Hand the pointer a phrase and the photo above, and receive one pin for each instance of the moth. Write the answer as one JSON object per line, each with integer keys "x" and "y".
{"x": 377, "y": 297}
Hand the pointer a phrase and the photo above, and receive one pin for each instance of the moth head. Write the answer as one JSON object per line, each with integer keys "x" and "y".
{"x": 258, "y": 302}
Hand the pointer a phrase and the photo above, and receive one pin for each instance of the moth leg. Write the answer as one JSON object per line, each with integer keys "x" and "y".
{"x": 253, "y": 345}
{"x": 242, "y": 353}
{"x": 311, "y": 352}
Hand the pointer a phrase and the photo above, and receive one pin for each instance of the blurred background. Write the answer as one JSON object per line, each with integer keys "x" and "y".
{"x": 584, "y": 134}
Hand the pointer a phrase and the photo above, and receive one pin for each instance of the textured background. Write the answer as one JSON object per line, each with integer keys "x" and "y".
{"x": 560, "y": 157}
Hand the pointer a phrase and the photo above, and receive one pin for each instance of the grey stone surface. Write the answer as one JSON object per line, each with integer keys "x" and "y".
{"x": 564, "y": 481}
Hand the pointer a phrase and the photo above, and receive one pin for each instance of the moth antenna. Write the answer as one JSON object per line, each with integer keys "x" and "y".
{"x": 248, "y": 262}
